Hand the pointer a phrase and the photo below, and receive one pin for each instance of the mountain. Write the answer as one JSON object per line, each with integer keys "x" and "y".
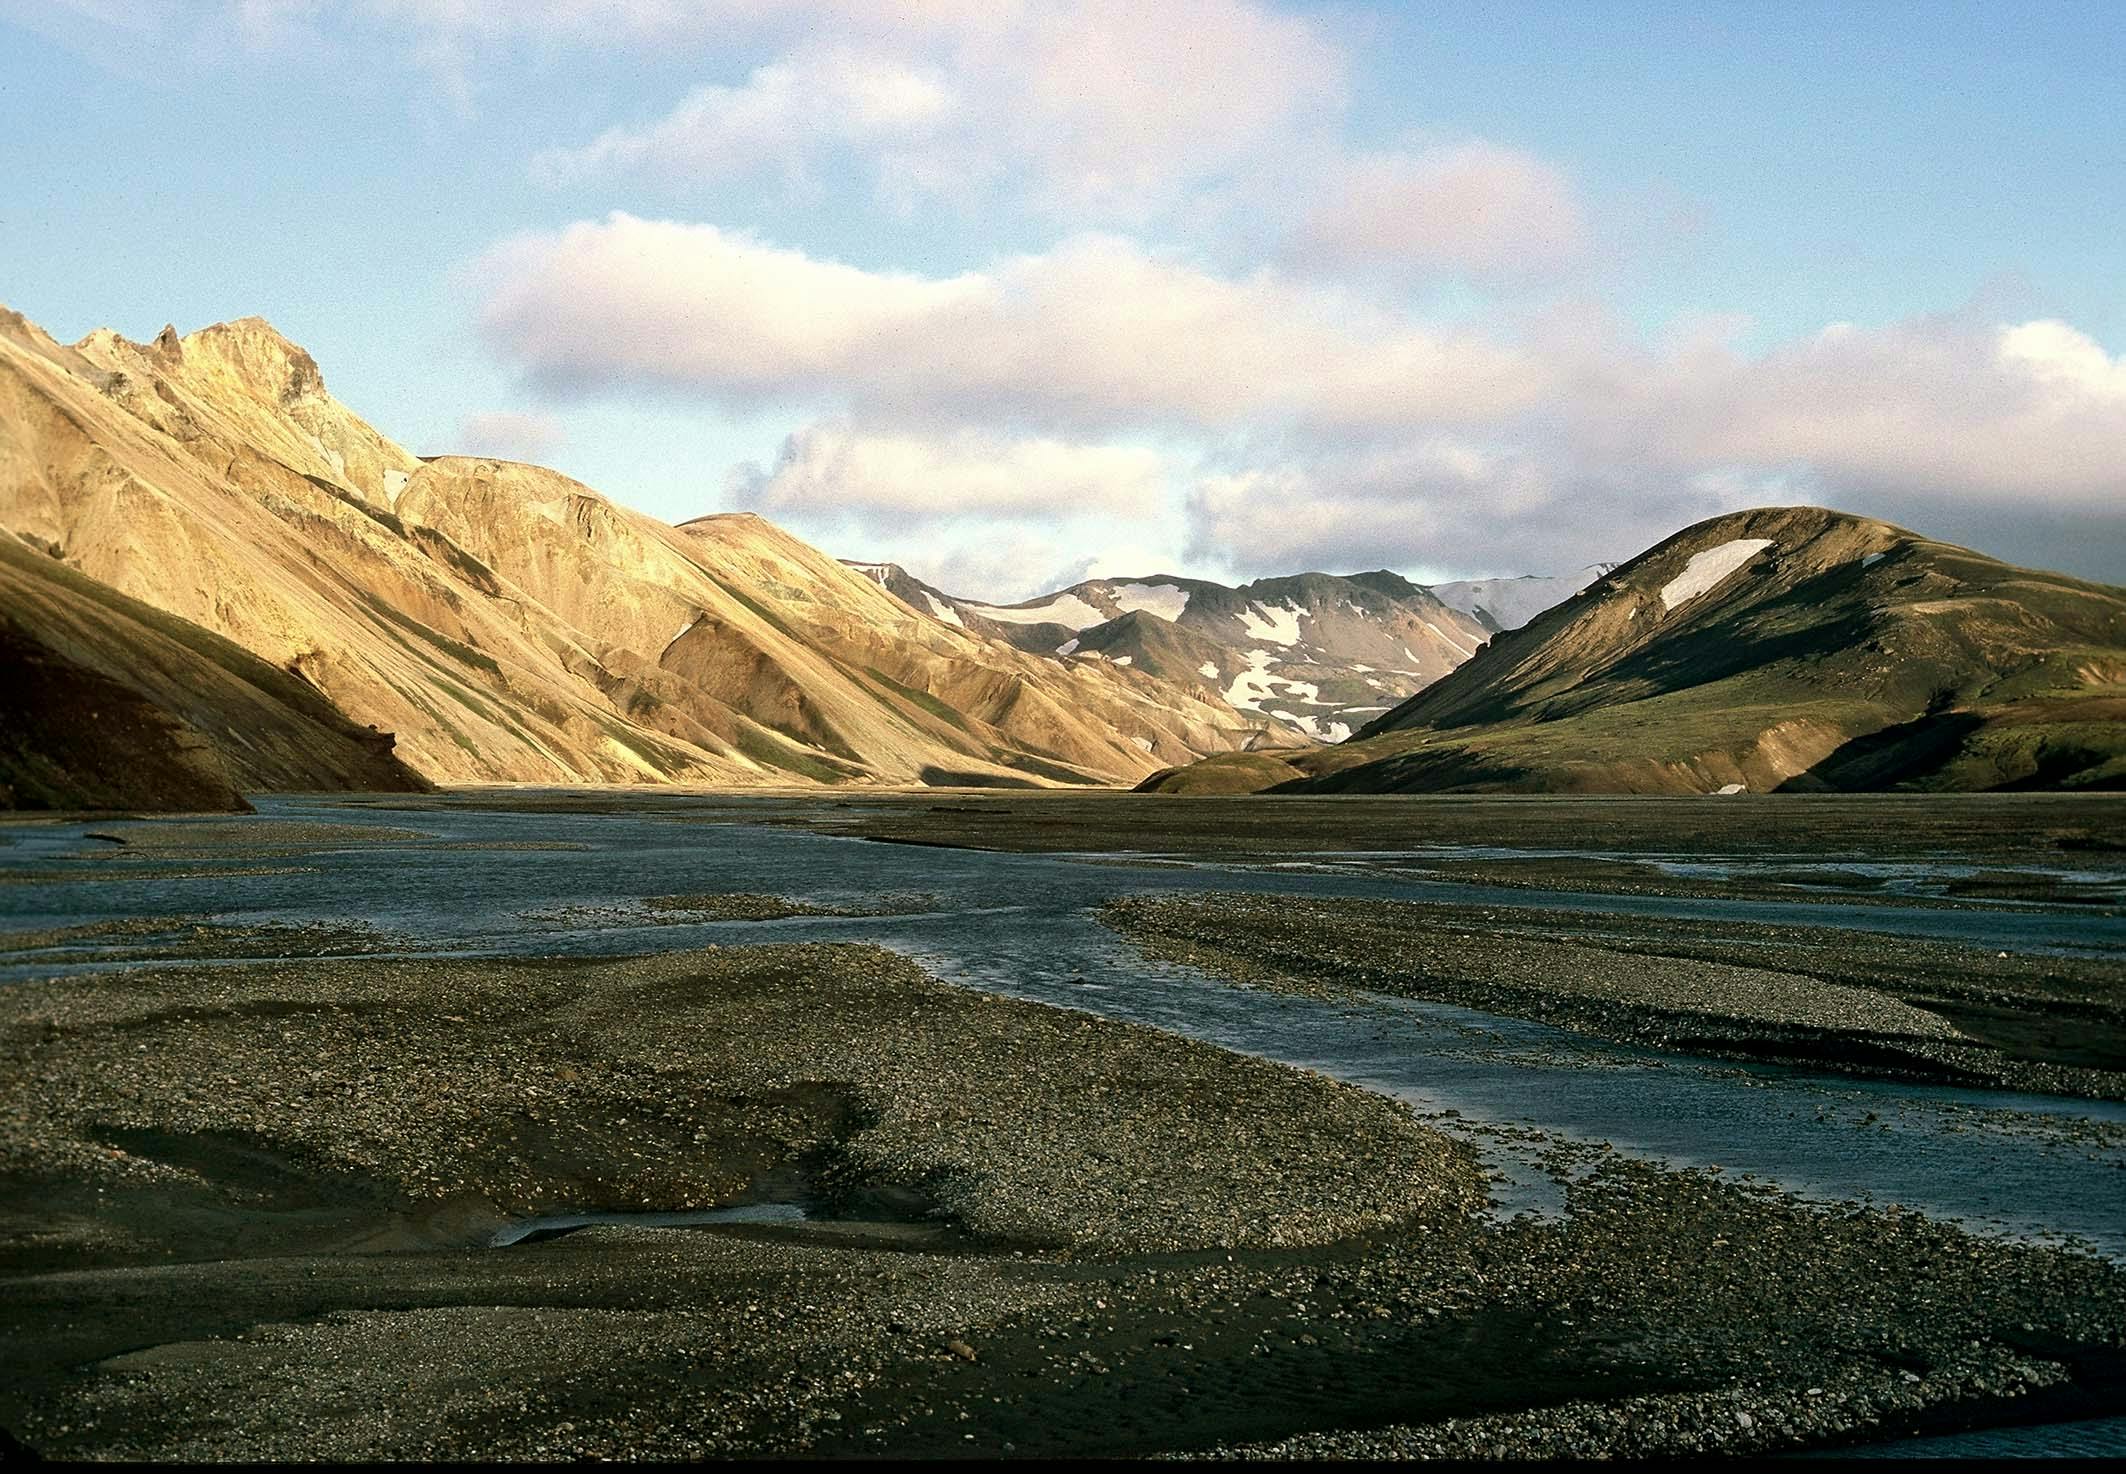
{"x": 1508, "y": 603}
{"x": 106, "y": 703}
{"x": 1318, "y": 654}
{"x": 1784, "y": 648}
{"x": 512, "y": 625}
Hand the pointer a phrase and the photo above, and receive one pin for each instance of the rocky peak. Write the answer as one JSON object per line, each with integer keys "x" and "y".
{"x": 253, "y": 351}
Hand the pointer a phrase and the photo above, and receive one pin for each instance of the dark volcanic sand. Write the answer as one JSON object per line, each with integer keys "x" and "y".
{"x": 243, "y": 1208}
{"x": 245, "y": 1211}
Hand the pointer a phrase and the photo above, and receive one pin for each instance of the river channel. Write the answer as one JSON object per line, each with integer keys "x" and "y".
{"x": 468, "y": 882}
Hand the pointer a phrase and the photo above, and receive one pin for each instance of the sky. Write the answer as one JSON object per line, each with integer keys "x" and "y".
{"x": 1017, "y": 294}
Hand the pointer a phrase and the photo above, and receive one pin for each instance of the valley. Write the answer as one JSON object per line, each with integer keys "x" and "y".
{"x": 1226, "y": 730}
{"x": 1209, "y": 1182}
{"x": 609, "y": 988}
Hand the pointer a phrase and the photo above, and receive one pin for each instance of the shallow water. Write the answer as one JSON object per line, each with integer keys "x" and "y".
{"x": 2029, "y": 1166}
{"x": 2096, "y": 1438}
{"x": 552, "y": 1225}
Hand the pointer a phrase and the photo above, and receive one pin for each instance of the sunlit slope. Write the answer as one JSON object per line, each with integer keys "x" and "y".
{"x": 108, "y": 703}
{"x": 1784, "y": 648}
{"x": 1023, "y": 710}
{"x": 510, "y": 624}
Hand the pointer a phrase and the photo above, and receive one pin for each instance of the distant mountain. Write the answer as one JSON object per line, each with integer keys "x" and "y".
{"x": 1508, "y": 603}
{"x": 106, "y": 703}
{"x": 1318, "y": 654}
{"x": 512, "y": 625}
{"x": 1784, "y": 648}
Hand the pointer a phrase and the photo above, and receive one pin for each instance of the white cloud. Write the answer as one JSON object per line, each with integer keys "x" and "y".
{"x": 2004, "y": 437}
{"x": 1001, "y": 565}
{"x": 1075, "y": 105}
{"x": 780, "y": 115}
{"x": 1094, "y": 333}
{"x": 1116, "y": 100}
{"x": 1087, "y": 106}
{"x": 2068, "y": 360}
{"x": 1950, "y": 407}
{"x": 509, "y": 435}
{"x": 1474, "y": 208}
{"x": 885, "y": 479}
{"x": 1334, "y": 431}
{"x": 1426, "y": 501}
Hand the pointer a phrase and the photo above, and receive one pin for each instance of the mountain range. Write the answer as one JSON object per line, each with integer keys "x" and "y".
{"x": 1317, "y": 654}
{"x": 216, "y": 579}
{"x": 504, "y": 623}
{"x": 1784, "y": 648}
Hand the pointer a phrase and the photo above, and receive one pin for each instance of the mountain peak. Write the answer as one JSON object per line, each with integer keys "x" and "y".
{"x": 260, "y": 357}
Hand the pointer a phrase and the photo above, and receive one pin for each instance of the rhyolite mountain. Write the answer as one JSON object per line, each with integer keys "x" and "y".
{"x": 508, "y": 624}
{"x": 1318, "y": 653}
{"x": 110, "y": 704}
{"x": 1786, "y": 648}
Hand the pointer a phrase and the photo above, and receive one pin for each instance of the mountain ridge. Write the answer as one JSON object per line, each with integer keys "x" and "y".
{"x": 1311, "y": 652}
{"x": 109, "y": 703}
{"x": 215, "y": 478}
{"x": 1786, "y": 648}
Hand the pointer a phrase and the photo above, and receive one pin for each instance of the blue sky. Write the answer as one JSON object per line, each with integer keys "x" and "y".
{"x": 1012, "y": 295}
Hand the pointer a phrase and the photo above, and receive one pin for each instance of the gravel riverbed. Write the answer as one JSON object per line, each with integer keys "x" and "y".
{"x": 1841, "y": 1000}
{"x": 242, "y": 1213}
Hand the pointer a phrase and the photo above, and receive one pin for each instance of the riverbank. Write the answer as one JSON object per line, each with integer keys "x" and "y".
{"x": 246, "y": 1211}
{"x": 1826, "y": 998}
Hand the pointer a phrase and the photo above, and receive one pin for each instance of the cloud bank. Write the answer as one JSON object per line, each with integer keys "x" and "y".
{"x": 1316, "y": 426}
{"x": 887, "y": 479}
{"x": 1096, "y": 334}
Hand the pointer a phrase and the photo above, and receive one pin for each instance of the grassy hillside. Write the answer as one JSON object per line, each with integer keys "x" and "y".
{"x": 1830, "y": 652}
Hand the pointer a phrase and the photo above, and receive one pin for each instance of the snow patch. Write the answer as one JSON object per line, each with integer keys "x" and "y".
{"x": 1068, "y": 610}
{"x": 1160, "y": 600}
{"x": 1067, "y": 646}
{"x": 1251, "y": 687}
{"x": 1322, "y": 729}
{"x": 1208, "y": 671}
{"x": 1125, "y": 659}
{"x": 668, "y": 644}
{"x": 1453, "y": 644}
{"x": 1734, "y": 788}
{"x": 876, "y": 572}
{"x": 941, "y": 609}
{"x": 1872, "y": 559}
{"x": 1709, "y": 568}
{"x": 1143, "y": 742}
{"x": 1279, "y": 623}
